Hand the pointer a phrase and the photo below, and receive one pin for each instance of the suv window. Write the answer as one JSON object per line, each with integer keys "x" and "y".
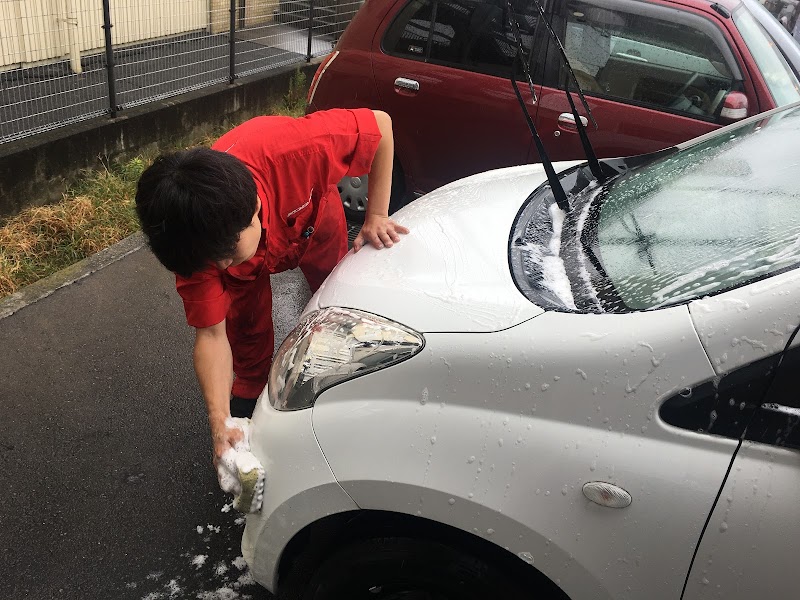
{"x": 711, "y": 217}
{"x": 468, "y": 34}
{"x": 650, "y": 55}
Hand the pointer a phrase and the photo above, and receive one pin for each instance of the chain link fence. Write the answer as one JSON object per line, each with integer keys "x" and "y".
{"x": 63, "y": 61}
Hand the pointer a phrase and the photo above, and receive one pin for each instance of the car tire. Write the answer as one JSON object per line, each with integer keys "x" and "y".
{"x": 353, "y": 193}
{"x": 399, "y": 568}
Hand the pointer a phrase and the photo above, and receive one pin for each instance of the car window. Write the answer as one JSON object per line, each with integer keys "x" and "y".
{"x": 780, "y": 79}
{"x": 650, "y": 55}
{"x": 706, "y": 219}
{"x": 777, "y": 33}
{"x": 408, "y": 35}
{"x": 777, "y": 422}
{"x": 468, "y": 34}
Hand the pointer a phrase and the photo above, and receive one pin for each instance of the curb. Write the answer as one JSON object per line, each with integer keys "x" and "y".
{"x": 45, "y": 287}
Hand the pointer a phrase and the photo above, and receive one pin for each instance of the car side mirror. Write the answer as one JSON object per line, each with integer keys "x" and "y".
{"x": 734, "y": 107}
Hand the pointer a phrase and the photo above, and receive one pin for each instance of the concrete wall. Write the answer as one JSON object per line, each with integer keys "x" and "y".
{"x": 36, "y": 170}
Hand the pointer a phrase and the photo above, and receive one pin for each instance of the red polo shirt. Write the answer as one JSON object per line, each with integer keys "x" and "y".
{"x": 296, "y": 164}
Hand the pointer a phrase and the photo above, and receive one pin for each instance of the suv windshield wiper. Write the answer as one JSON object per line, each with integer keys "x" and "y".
{"x": 600, "y": 173}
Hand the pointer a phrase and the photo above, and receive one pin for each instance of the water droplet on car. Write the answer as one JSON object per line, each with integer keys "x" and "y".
{"x": 433, "y": 439}
{"x": 471, "y": 459}
{"x": 489, "y": 531}
{"x": 545, "y": 386}
{"x": 451, "y": 501}
{"x": 723, "y": 527}
{"x": 527, "y": 557}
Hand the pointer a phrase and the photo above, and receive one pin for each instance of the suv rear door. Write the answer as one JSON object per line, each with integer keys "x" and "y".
{"x": 449, "y": 86}
{"x": 654, "y": 75}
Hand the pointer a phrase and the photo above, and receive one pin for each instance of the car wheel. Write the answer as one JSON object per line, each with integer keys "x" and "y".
{"x": 400, "y": 569}
{"x": 353, "y": 192}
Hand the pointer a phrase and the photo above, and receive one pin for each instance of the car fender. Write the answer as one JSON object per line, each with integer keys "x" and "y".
{"x": 496, "y": 434}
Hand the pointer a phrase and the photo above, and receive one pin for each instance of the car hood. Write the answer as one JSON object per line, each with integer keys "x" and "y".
{"x": 451, "y": 272}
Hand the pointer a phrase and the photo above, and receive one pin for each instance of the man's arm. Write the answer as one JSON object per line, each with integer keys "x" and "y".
{"x": 213, "y": 364}
{"x": 378, "y": 229}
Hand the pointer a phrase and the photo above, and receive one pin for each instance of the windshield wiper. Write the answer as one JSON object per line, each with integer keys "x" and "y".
{"x": 558, "y": 190}
{"x": 600, "y": 173}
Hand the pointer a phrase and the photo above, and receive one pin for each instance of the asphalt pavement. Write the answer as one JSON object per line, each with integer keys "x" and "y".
{"x": 106, "y": 487}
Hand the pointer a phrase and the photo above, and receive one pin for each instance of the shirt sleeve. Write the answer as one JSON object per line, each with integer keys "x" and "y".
{"x": 366, "y": 144}
{"x": 205, "y": 300}
{"x": 353, "y": 138}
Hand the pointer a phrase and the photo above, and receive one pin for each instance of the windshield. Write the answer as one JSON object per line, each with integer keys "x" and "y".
{"x": 708, "y": 218}
{"x": 780, "y": 78}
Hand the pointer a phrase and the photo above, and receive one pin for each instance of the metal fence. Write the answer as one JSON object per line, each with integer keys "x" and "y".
{"x": 63, "y": 61}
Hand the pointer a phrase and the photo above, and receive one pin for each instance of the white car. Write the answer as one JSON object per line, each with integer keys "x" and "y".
{"x": 521, "y": 402}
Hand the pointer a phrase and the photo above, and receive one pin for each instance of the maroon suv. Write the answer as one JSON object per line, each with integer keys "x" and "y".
{"x": 654, "y": 72}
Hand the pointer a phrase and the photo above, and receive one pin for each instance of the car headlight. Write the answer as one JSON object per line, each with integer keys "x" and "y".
{"x": 332, "y": 345}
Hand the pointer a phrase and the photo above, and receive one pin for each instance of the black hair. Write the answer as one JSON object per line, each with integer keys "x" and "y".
{"x": 193, "y": 205}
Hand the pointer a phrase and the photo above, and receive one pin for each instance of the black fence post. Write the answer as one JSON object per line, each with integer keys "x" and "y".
{"x": 310, "y": 28}
{"x": 232, "y": 43}
{"x": 112, "y": 93}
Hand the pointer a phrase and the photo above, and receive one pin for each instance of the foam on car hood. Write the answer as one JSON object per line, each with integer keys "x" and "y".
{"x": 451, "y": 272}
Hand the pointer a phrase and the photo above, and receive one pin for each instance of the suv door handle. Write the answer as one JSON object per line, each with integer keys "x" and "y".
{"x": 407, "y": 84}
{"x": 567, "y": 121}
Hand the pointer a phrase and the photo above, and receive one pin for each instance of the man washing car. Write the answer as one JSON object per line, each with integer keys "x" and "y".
{"x": 262, "y": 200}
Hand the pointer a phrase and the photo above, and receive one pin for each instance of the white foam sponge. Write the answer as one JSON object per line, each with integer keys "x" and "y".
{"x": 239, "y": 471}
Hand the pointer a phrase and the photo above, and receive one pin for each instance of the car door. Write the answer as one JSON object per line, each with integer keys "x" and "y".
{"x": 752, "y": 540}
{"x": 447, "y": 88}
{"x": 653, "y": 76}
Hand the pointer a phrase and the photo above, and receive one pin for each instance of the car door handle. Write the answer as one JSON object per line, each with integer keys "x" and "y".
{"x": 567, "y": 121}
{"x": 407, "y": 84}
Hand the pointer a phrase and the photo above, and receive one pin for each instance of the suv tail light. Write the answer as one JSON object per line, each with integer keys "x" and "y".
{"x": 318, "y": 75}
{"x": 734, "y": 107}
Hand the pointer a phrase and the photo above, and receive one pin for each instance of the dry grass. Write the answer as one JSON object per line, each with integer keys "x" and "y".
{"x": 97, "y": 212}
{"x": 39, "y": 241}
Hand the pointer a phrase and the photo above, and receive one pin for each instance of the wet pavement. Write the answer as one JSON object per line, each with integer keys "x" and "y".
{"x": 107, "y": 485}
